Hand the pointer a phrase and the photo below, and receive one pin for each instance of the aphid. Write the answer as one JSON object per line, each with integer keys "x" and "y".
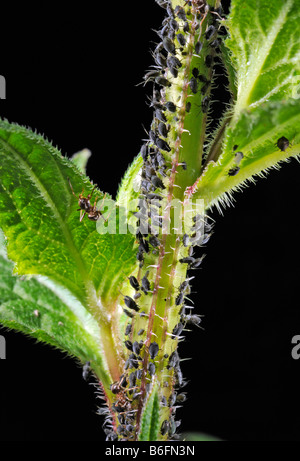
{"x": 85, "y": 206}
{"x": 283, "y": 143}
{"x": 162, "y": 129}
{"x": 205, "y": 104}
{"x": 174, "y": 25}
{"x": 86, "y": 370}
{"x": 188, "y": 106}
{"x": 133, "y": 361}
{"x": 161, "y": 60}
{"x": 170, "y": 106}
{"x": 140, "y": 332}
{"x": 198, "y": 47}
{"x": 164, "y": 427}
{"x": 235, "y": 147}
{"x": 145, "y": 283}
{"x": 162, "y": 81}
{"x": 163, "y": 401}
{"x": 128, "y": 345}
{"x": 180, "y": 398}
{"x": 194, "y": 319}
{"x": 209, "y": 60}
{"x": 132, "y": 379}
{"x": 160, "y": 115}
{"x": 173, "y": 360}
{"x": 238, "y": 157}
{"x": 153, "y": 350}
{"x": 185, "y": 240}
{"x": 128, "y": 329}
{"x": 177, "y": 330}
{"x": 181, "y": 39}
{"x": 186, "y": 27}
{"x": 161, "y": 144}
{"x": 194, "y": 85}
{"x": 196, "y": 263}
{"x": 205, "y": 87}
{"x": 134, "y": 283}
{"x": 172, "y": 61}
{"x": 157, "y": 182}
{"x": 179, "y": 299}
{"x": 144, "y": 152}
{"x": 187, "y": 260}
{"x": 169, "y": 45}
{"x": 210, "y": 31}
{"x": 131, "y": 303}
{"x": 234, "y": 171}
{"x": 136, "y": 348}
{"x": 151, "y": 369}
{"x": 179, "y": 11}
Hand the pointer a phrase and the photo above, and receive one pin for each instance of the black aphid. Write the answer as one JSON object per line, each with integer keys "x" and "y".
{"x": 157, "y": 182}
{"x": 181, "y": 39}
{"x": 162, "y": 81}
{"x": 170, "y": 106}
{"x": 187, "y": 260}
{"x": 205, "y": 104}
{"x": 173, "y": 360}
{"x": 283, "y": 143}
{"x": 179, "y": 299}
{"x": 188, "y": 106}
{"x": 136, "y": 348}
{"x": 164, "y": 427}
{"x": 160, "y": 115}
{"x": 153, "y": 350}
{"x": 169, "y": 45}
{"x": 196, "y": 263}
{"x": 128, "y": 313}
{"x": 151, "y": 369}
{"x": 210, "y": 31}
{"x": 194, "y": 319}
{"x": 86, "y": 370}
{"x": 179, "y": 11}
{"x": 234, "y": 171}
{"x": 128, "y": 329}
{"x": 134, "y": 283}
{"x": 154, "y": 241}
{"x": 161, "y": 144}
{"x": 131, "y": 303}
{"x": 140, "y": 332}
{"x": 198, "y": 47}
{"x": 128, "y": 344}
{"x": 209, "y": 60}
{"x": 177, "y": 330}
{"x": 180, "y": 398}
{"x": 194, "y": 85}
{"x": 162, "y": 129}
{"x": 145, "y": 284}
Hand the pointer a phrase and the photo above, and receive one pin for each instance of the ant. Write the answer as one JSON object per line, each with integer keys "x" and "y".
{"x": 85, "y": 206}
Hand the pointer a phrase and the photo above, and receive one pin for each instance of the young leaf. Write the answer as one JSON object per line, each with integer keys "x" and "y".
{"x": 256, "y": 135}
{"x": 40, "y": 308}
{"x": 265, "y": 47}
{"x": 40, "y": 220}
{"x": 81, "y": 158}
{"x": 150, "y": 416}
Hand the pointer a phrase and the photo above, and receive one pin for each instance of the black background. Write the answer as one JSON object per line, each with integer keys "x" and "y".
{"x": 72, "y": 76}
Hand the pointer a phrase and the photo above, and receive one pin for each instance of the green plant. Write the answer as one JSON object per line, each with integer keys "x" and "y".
{"x": 74, "y": 289}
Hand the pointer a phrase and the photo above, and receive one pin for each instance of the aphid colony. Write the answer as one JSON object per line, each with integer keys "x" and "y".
{"x": 157, "y": 154}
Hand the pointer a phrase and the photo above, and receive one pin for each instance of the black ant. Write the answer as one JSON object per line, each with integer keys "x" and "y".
{"x": 85, "y": 206}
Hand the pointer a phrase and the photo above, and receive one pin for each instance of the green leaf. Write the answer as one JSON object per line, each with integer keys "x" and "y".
{"x": 38, "y": 307}
{"x": 256, "y": 134}
{"x": 265, "y": 47}
{"x": 150, "y": 416}
{"x": 40, "y": 220}
{"x": 81, "y": 158}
